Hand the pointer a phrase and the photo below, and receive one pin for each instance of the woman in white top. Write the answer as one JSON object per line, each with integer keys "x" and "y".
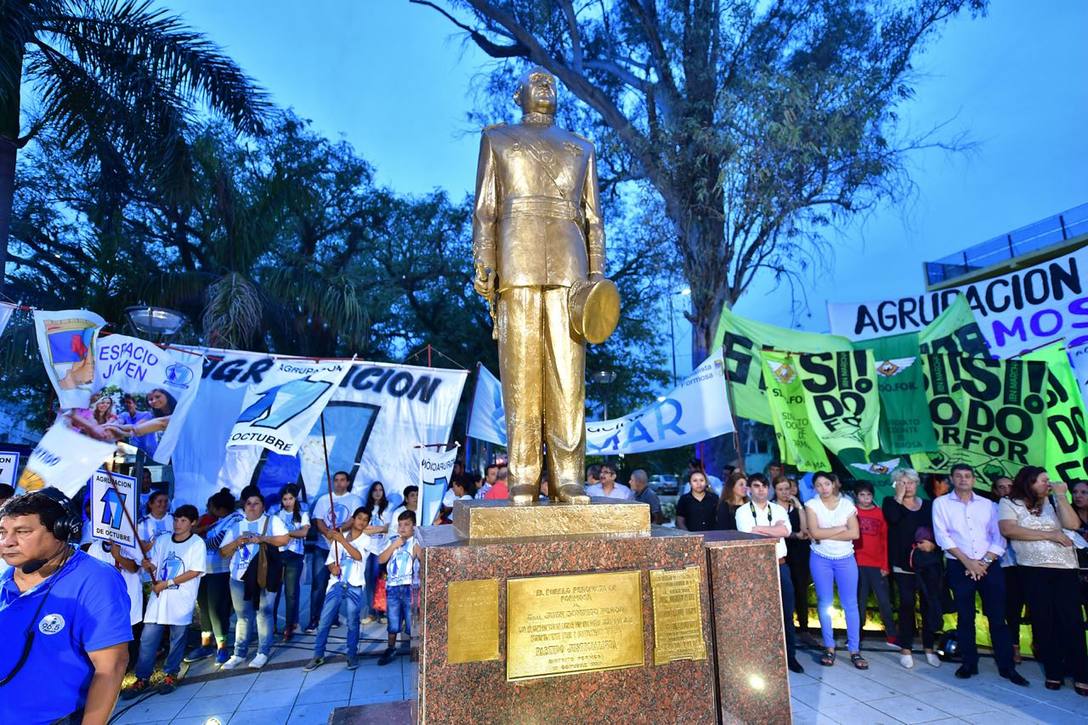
{"x": 242, "y": 544}
{"x": 378, "y": 506}
{"x": 1032, "y": 517}
{"x": 292, "y": 555}
{"x": 833, "y": 526}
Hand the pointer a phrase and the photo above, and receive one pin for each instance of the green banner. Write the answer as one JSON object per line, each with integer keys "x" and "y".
{"x": 904, "y": 411}
{"x": 1066, "y": 437}
{"x": 743, "y": 341}
{"x": 986, "y": 413}
{"x": 954, "y": 332}
{"x": 842, "y": 399}
{"x": 797, "y": 440}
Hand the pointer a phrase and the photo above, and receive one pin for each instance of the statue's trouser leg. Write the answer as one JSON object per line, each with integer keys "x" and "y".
{"x": 564, "y": 393}
{"x": 521, "y": 360}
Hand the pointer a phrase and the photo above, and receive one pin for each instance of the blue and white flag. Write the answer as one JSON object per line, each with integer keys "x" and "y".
{"x": 695, "y": 410}
{"x": 435, "y": 472}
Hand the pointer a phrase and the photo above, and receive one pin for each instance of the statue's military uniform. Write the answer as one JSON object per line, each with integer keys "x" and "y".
{"x": 537, "y": 225}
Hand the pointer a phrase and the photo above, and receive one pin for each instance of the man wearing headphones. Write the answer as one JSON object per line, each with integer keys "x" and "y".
{"x": 65, "y": 647}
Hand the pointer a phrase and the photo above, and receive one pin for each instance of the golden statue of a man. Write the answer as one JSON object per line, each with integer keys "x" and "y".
{"x": 538, "y": 248}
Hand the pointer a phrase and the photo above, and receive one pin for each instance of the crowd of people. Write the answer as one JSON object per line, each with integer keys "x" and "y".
{"x": 1023, "y": 546}
{"x": 924, "y": 552}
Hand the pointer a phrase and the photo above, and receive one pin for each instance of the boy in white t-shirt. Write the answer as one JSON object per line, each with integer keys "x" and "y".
{"x": 347, "y": 568}
{"x": 399, "y": 557}
{"x": 177, "y": 561}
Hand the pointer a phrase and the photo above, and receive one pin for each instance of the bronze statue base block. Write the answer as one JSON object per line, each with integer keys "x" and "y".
{"x": 564, "y": 629}
{"x": 491, "y": 520}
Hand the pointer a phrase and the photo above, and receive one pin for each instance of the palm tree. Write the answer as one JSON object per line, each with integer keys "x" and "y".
{"x": 119, "y": 82}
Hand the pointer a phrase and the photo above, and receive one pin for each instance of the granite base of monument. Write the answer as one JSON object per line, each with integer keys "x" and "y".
{"x": 749, "y": 643}
{"x": 564, "y": 629}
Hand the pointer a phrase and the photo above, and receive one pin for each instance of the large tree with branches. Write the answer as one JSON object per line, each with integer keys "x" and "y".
{"x": 754, "y": 123}
{"x": 118, "y": 81}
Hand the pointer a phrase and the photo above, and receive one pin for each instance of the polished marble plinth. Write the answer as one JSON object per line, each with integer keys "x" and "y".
{"x": 483, "y": 691}
{"x": 483, "y": 520}
{"x": 749, "y": 643}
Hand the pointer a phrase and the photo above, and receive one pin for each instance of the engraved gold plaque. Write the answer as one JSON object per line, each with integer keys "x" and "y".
{"x": 472, "y": 621}
{"x": 562, "y": 625}
{"x": 678, "y": 615}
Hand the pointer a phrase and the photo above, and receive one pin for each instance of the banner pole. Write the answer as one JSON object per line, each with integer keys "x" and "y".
{"x": 729, "y": 401}
{"x": 128, "y": 517}
{"x": 328, "y": 477}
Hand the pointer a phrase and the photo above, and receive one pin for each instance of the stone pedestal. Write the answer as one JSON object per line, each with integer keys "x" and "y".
{"x": 465, "y": 674}
{"x": 749, "y": 643}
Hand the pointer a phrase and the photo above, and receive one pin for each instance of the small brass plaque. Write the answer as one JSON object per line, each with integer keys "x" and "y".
{"x": 678, "y": 616}
{"x": 472, "y": 621}
{"x": 561, "y": 625}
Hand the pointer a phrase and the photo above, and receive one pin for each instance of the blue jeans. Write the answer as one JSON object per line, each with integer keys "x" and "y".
{"x": 319, "y": 582}
{"x": 826, "y": 575}
{"x": 399, "y": 605}
{"x": 353, "y": 600}
{"x": 373, "y": 571}
{"x": 245, "y": 611}
{"x": 149, "y": 646}
{"x": 292, "y": 585}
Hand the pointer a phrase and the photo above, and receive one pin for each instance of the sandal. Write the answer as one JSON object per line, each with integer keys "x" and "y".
{"x": 828, "y": 658}
{"x": 859, "y": 661}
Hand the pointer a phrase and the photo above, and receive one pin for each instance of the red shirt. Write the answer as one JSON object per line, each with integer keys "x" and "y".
{"x": 871, "y": 548}
{"x": 498, "y": 490}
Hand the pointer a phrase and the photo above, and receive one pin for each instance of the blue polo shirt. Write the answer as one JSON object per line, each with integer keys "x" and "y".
{"x": 84, "y": 608}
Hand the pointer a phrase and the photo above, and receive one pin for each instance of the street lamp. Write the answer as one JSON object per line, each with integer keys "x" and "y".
{"x": 685, "y": 292}
{"x": 604, "y": 378}
{"x": 159, "y": 322}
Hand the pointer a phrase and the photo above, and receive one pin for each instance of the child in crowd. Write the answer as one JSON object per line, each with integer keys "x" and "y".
{"x": 871, "y": 551}
{"x": 177, "y": 561}
{"x": 399, "y": 557}
{"x": 346, "y": 562}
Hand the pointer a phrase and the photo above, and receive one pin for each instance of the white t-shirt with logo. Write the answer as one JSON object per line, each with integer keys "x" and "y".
{"x": 401, "y": 565}
{"x": 150, "y": 528}
{"x": 172, "y": 559}
{"x": 829, "y": 519}
{"x": 288, "y": 518}
{"x": 343, "y": 506}
{"x": 101, "y": 550}
{"x": 351, "y": 571}
{"x": 243, "y": 555}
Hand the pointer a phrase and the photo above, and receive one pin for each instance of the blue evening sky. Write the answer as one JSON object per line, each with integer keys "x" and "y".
{"x": 396, "y": 81}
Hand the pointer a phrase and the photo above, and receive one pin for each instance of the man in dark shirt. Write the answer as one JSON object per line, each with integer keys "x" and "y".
{"x": 695, "y": 511}
{"x": 639, "y": 484}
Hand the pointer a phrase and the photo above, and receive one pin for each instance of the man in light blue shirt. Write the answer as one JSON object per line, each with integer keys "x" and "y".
{"x": 609, "y": 487}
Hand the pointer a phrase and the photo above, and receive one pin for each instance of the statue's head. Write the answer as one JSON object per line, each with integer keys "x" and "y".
{"x": 537, "y": 91}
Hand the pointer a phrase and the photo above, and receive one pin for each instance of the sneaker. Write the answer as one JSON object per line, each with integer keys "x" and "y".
{"x": 136, "y": 688}
{"x": 234, "y": 662}
{"x": 353, "y": 663}
{"x": 383, "y": 619}
{"x": 891, "y": 643}
{"x": 387, "y": 656}
{"x": 336, "y": 624}
{"x": 221, "y": 656}
{"x": 259, "y": 661}
{"x": 169, "y": 684}
{"x": 907, "y": 661}
{"x": 313, "y": 664}
{"x": 199, "y": 653}
{"x": 933, "y": 659}
{"x": 370, "y": 619}
{"x": 311, "y": 628}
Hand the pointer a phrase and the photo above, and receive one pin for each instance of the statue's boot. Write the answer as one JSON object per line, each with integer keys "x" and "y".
{"x": 573, "y": 493}
{"x": 524, "y": 494}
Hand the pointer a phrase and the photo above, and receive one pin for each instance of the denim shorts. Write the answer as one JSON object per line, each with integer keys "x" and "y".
{"x": 399, "y": 606}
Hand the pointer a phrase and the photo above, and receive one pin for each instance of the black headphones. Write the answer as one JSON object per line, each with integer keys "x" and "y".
{"x": 69, "y": 525}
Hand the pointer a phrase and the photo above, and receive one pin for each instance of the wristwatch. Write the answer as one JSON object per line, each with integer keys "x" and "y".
{"x": 987, "y": 560}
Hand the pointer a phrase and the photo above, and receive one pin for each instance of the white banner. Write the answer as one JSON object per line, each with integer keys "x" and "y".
{"x": 142, "y": 395}
{"x": 435, "y": 472}
{"x": 5, "y": 315}
{"x": 486, "y": 418}
{"x": 1018, "y": 311}
{"x": 63, "y": 458}
{"x": 697, "y": 409}
{"x": 66, "y": 340}
{"x": 278, "y": 413}
{"x": 375, "y": 414}
{"x": 9, "y": 465}
{"x": 108, "y": 506}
